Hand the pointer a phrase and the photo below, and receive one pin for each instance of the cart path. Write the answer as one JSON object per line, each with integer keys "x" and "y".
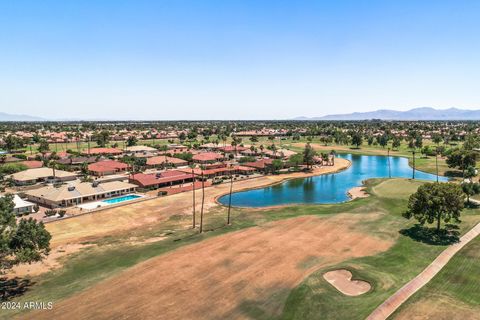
{"x": 388, "y": 307}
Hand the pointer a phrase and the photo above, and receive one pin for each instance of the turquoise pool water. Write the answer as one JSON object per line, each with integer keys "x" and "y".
{"x": 330, "y": 188}
{"x": 122, "y": 199}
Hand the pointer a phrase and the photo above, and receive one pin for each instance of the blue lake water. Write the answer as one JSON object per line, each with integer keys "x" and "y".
{"x": 329, "y": 188}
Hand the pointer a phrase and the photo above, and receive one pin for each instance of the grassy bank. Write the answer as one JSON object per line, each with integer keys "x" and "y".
{"x": 387, "y": 272}
{"x": 314, "y": 298}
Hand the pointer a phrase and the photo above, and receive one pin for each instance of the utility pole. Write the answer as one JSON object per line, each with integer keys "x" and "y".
{"x": 388, "y": 159}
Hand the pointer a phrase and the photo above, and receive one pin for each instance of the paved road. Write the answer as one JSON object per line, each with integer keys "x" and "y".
{"x": 391, "y": 304}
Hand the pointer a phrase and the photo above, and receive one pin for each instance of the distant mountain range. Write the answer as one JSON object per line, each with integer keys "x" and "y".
{"x": 382, "y": 114}
{"x": 18, "y": 117}
{"x": 413, "y": 114}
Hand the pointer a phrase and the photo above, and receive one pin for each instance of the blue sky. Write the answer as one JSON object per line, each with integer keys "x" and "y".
{"x": 236, "y": 59}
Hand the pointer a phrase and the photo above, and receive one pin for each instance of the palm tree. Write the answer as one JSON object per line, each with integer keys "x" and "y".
{"x": 203, "y": 201}
{"x": 230, "y": 199}
{"x": 53, "y": 165}
{"x": 193, "y": 199}
{"x": 413, "y": 172}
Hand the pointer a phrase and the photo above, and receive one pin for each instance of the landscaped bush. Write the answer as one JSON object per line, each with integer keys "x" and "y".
{"x": 50, "y": 212}
{"x": 62, "y": 213}
{"x": 10, "y": 168}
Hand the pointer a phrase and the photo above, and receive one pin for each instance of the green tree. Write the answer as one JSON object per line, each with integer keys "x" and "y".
{"x": 43, "y": 146}
{"x": 277, "y": 165}
{"x": 418, "y": 142}
{"x": 461, "y": 159}
{"x": 396, "y": 143}
{"x": 132, "y": 141}
{"x": 470, "y": 189}
{"x": 357, "y": 139}
{"x": 434, "y": 202}
{"x": 295, "y": 160}
{"x": 308, "y": 154}
{"x": 25, "y": 241}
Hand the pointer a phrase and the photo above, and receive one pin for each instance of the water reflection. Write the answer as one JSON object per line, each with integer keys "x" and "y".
{"x": 331, "y": 188}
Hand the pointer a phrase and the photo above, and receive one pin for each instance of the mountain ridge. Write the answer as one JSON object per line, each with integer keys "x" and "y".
{"x": 421, "y": 113}
{"x": 18, "y": 117}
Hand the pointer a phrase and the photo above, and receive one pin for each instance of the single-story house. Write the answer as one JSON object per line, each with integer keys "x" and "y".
{"x": 160, "y": 161}
{"x": 32, "y": 176}
{"x": 32, "y": 164}
{"x": 140, "y": 149}
{"x": 232, "y": 149}
{"x": 106, "y": 167}
{"x": 21, "y": 206}
{"x": 259, "y": 165}
{"x": 103, "y": 151}
{"x": 77, "y": 161}
{"x": 77, "y": 193}
{"x": 207, "y": 157}
{"x": 223, "y": 170}
{"x": 161, "y": 179}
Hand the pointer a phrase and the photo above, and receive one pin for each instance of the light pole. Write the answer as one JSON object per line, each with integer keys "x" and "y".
{"x": 388, "y": 159}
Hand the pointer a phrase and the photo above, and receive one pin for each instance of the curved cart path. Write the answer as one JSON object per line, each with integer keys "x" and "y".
{"x": 395, "y": 301}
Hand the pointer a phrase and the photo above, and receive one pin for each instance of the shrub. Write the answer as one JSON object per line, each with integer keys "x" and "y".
{"x": 50, "y": 212}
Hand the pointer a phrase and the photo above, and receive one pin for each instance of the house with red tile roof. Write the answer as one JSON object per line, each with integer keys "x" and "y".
{"x": 32, "y": 164}
{"x": 260, "y": 165}
{"x": 232, "y": 149}
{"x": 107, "y": 167}
{"x": 161, "y": 161}
{"x": 207, "y": 157}
{"x": 161, "y": 179}
{"x": 103, "y": 151}
{"x": 223, "y": 170}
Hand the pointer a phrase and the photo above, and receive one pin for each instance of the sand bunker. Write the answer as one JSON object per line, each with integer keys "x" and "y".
{"x": 342, "y": 280}
{"x": 358, "y": 192}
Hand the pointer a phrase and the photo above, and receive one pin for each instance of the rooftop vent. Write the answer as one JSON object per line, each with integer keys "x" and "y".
{"x": 71, "y": 188}
{"x": 95, "y": 184}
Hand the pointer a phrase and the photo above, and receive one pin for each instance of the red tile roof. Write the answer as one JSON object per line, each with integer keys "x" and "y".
{"x": 146, "y": 180}
{"x": 32, "y": 164}
{"x": 103, "y": 151}
{"x": 232, "y": 148}
{"x": 163, "y": 159}
{"x": 207, "y": 156}
{"x": 260, "y": 164}
{"x": 107, "y": 166}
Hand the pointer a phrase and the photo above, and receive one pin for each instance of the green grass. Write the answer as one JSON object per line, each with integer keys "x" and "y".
{"x": 387, "y": 272}
{"x": 314, "y": 298}
{"x": 457, "y": 284}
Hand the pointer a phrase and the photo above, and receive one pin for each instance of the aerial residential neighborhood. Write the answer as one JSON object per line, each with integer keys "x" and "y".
{"x": 245, "y": 160}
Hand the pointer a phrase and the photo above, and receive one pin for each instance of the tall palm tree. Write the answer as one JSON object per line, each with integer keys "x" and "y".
{"x": 413, "y": 172}
{"x": 193, "y": 199}
{"x": 203, "y": 201}
{"x": 230, "y": 199}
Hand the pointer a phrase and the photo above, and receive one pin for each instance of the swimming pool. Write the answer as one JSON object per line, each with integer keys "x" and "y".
{"x": 122, "y": 199}
{"x": 328, "y": 188}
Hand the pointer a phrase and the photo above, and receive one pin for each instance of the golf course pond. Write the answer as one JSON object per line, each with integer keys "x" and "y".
{"x": 328, "y": 188}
